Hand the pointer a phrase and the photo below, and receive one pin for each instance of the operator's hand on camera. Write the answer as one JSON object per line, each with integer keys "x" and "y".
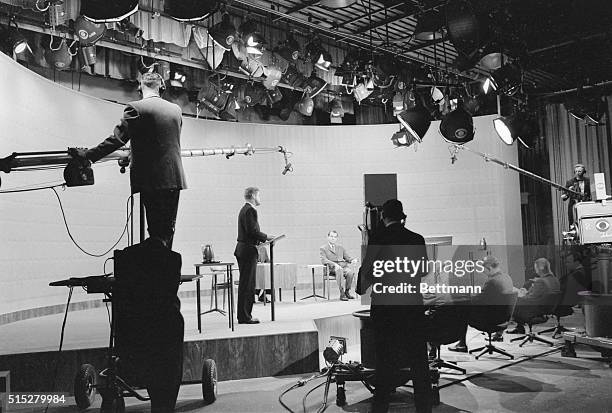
{"x": 564, "y": 197}
{"x": 80, "y": 155}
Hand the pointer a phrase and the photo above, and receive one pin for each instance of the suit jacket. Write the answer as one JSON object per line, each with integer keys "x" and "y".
{"x": 574, "y": 185}
{"x": 495, "y": 286}
{"x": 386, "y": 245}
{"x": 542, "y": 286}
{"x": 339, "y": 256}
{"x": 154, "y": 127}
{"x": 249, "y": 234}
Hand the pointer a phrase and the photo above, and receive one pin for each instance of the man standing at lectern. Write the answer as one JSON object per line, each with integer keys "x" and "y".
{"x": 249, "y": 236}
{"x": 153, "y": 125}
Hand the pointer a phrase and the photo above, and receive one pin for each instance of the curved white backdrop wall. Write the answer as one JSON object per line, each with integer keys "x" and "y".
{"x": 469, "y": 200}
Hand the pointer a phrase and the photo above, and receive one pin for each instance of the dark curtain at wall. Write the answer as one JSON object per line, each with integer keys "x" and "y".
{"x": 572, "y": 141}
{"x": 536, "y": 203}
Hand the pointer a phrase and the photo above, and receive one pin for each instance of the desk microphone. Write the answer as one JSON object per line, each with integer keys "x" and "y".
{"x": 287, "y": 168}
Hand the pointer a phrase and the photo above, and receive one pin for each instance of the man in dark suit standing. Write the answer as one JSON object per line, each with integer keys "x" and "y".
{"x": 398, "y": 318}
{"x": 153, "y": 126}
{"x": 249, "y": 236}
{"x": 579, "y": 183}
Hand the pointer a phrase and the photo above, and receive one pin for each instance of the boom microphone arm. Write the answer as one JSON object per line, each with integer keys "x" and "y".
{"x": 23, "y": 161}
{"x": 507, "y": 165}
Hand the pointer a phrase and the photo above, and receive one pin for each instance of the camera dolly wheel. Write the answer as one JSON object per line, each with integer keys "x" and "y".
{"x": 85, "y": 386}
{"x": 209, "y": 381}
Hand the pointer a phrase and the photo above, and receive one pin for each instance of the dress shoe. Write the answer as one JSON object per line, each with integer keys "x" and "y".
{"x": 349, "y": 295}
{"x": 262, "y": 299}
{"x": 251, "y": 321}
{"x": 517, "y": 330}
{"x": 459, "y": 348}
{"x": 343, "y": 297}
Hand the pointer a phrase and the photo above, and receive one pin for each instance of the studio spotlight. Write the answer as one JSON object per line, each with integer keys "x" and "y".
{"x": 252, "y": 94}
{"x": 493, "y": 60}
{"x": 324, "y": 62}
{"x": 361, "y": 92}
{"x": 336, "y": 112}
{"x": 398, "y": 103}
{"x": 289, "y": 50}
{"x": 253, "y": 40}
{"x": 292, "y": 76}
{"x": 59, "y": 57}
{"x": 190, "y": 10}
{"x": 108, "y": 11}
{"x": 213, "y": 98}
{"x": 273, "y": 76}
{"x": 313, "y": 85}
{"x": 57, "y": 13}
{"x": 429, "y": 26}
{"x": 463, "y": 27}
{"x": 335, "y": 349}
{"x": 320, "y": 57}
{"x": 589, "y": 109}
{"x": 274, "y": 96}
{"x": 505, "y": 80}
{"x": 177, "y": 78}
{"x": 519, "y": 126}
{"x": 415, "y": 121}
{"x": 306, "y": 105}
{"x": 402, "y": 138}
{"x": 457, "y": 126}
{"x": 89, "y": 32}
{"x": 88, "y": 55}
{"x": 224, "y": 32}
{"x": 16, "y": 41}
{"x": 337, "y": 4}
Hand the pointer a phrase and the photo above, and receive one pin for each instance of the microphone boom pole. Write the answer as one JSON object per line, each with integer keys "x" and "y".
{"x": 521, "y": 171}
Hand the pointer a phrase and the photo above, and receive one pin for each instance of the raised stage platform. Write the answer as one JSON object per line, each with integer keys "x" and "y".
{"x": 292, "y": 344}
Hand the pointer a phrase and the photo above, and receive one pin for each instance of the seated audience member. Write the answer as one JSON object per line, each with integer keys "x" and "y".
{"x": 545, "y": 283}
{"x": 262, "y": 257}
{"x": 337, "y": 260}
{"x": 497, "y": 283}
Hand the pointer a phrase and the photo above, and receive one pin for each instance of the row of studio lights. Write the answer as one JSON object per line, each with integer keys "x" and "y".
{"x": 248, "y": 44}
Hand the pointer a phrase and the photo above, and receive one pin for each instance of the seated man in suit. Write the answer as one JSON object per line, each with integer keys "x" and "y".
{"x": 337, "y": 260}
{"x": 545, "y": 283}
{"x": 497, "y": 283}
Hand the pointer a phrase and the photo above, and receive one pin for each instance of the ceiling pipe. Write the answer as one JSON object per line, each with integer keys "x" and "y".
{"x": 358, "y": 41}
{"x": 563, "y": 92}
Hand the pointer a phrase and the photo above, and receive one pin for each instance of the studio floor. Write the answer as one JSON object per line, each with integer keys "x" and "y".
{"x": 549, "y": 383}
{"x": 538, "y": 380}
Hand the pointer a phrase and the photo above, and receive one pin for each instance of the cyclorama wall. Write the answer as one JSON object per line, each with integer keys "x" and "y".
{"x": 469, "y": 199}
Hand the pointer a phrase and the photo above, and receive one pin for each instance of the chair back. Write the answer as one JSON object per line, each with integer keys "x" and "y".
{"x": 487, "y": 317}
{"x": 539, "y": 307}
{"x": 446, "y": 323}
